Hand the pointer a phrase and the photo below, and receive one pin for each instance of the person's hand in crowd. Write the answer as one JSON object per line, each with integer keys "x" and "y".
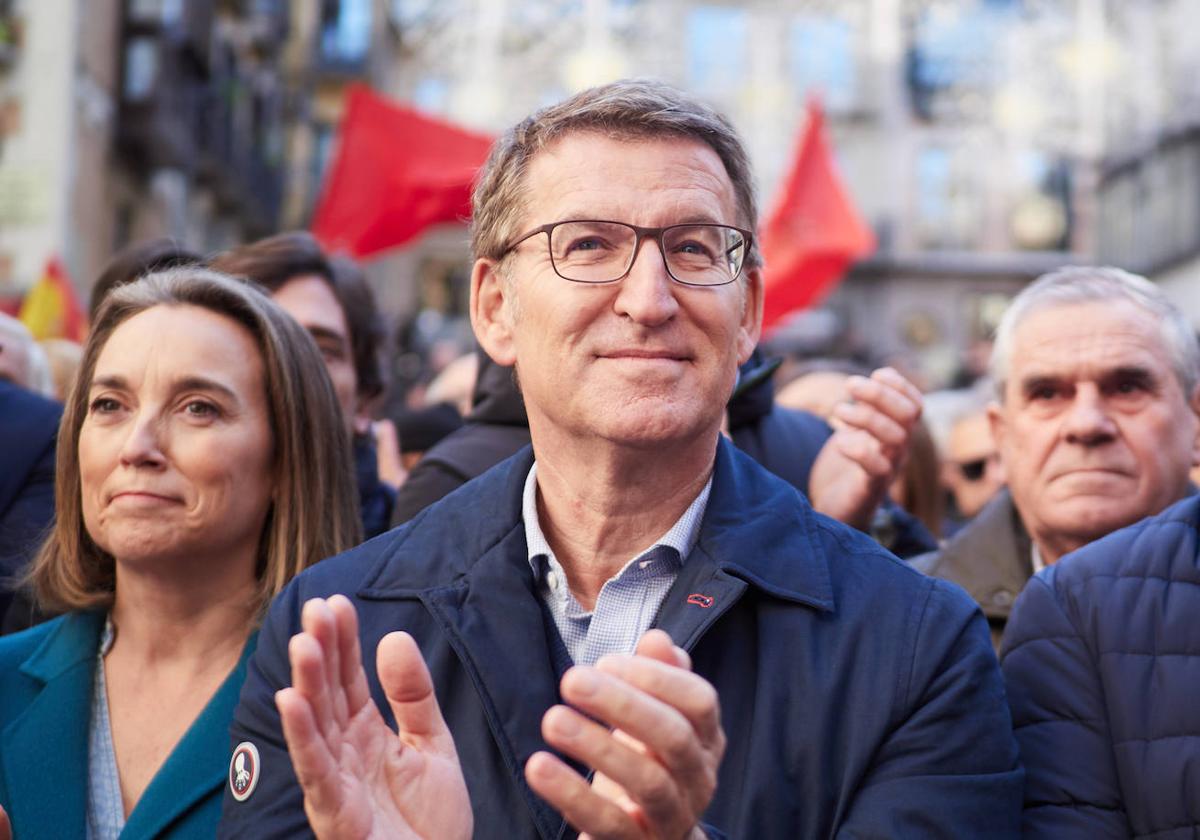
{"x": 656, "y": 768}
{"x": 869, "y": 446}
{"x": 387, "y": 453}
{"x": 361, "y": 779}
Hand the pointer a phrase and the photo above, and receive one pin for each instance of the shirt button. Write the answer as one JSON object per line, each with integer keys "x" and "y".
{"x": 552, "y": 580}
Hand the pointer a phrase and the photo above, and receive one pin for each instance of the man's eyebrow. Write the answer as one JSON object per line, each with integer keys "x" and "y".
{"x": 1135, "y": 372}
{"x": 699, "y": 219}
{"x": 1033, "y": 381}
{"x": 691, "y": 219}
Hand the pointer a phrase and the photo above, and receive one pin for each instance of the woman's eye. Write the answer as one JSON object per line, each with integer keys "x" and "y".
{"x": 200, "y": 408}
{"x": 104, "y": 405}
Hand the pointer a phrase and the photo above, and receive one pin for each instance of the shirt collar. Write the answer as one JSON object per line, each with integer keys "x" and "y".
{"x": 681, "y": 536}
{"x": 1036, "y": 558}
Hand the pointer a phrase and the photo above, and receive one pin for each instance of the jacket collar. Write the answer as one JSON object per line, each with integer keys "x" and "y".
{"x": 752, "y": 528}
{"x": 466, "y": 560}
{"x": 760, "y": 529}
{"x": 50, "y": 740}
{"x": 991, "y": 557}
{"x": 44, "y": 750}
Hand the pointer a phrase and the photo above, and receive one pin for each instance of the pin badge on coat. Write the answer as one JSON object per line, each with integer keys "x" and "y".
{"x": 243, "y": 771}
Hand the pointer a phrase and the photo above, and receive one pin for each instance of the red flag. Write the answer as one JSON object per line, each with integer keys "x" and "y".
{"x": 814, "y": 232}
{"x": 51, "y": 308}
{"x": 396, "y": 173}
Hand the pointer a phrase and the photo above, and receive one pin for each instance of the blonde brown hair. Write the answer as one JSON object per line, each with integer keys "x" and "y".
{"x": 314, "y": 513}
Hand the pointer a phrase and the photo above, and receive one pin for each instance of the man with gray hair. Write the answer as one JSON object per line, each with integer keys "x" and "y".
{"x": 1101, "y": 650}
{"x": 1095, "y": 421}
{"x": 631, "y": 630}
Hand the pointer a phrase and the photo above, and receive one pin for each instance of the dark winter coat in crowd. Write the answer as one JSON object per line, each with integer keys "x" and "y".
{"x": 375, "y": 498}
{"x": 859, "y": 698}
{"x": 784, "y": 441}
{"x": 1102, "y": 661}
{"x": 494, "y": 430}
{"x": 991, "y": 557}
{"x": 28, "y": 430}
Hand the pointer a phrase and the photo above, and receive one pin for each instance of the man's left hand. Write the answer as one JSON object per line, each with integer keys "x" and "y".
{"x": 872, "y": 432}
{"x": 656, "y": 768}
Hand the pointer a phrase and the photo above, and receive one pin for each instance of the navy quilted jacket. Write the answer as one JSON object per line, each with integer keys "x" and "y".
{"x": 1102, "y": 661}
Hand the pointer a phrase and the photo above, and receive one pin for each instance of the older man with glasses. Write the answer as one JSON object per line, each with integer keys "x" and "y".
{"x": 630, "y": 630}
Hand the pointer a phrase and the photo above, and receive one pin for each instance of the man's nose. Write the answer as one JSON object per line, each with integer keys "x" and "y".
{"x": 143, "y": 444}
{"x": 647, "y": 293}
{"x": 1088, "y": 421}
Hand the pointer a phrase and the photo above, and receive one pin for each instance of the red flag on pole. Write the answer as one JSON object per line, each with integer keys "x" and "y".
{"x": 396, "y": 173}
{"x": 814, "y": 232}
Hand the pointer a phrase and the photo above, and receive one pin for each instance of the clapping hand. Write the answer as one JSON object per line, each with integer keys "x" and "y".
{"x": 360, "y": 779}
{"x": 872, "y": 432}
{"x": 656, "y": 767}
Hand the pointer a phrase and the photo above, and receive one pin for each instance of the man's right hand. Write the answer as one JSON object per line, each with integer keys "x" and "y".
{"x": 360, "y": 779}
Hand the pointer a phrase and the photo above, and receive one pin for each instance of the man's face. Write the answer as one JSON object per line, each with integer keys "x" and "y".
{"x": 1095, "y": 431}
{"x": 641, "y": 361}
{"x": 312, "y": 303}
{"x": 972, "y": 470}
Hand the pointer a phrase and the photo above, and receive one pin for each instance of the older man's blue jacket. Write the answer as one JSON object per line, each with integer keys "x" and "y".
{"x": 1102, "y": 658}
{"x": 859, "y": 698}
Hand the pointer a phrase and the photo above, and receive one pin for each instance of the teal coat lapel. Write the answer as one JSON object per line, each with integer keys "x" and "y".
{"x": 44, "y": 747}
{"x": 189, "y": 786}
{"x": 45, "y": 708}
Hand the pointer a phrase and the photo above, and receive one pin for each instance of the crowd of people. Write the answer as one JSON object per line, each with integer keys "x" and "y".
{"x": 616, "y": 578}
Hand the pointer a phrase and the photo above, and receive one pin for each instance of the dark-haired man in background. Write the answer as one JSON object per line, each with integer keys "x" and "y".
{"x": 333, "y": 302}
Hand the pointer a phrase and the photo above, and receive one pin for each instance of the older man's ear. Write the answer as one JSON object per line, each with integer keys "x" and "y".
{"x": 492, "y": 309}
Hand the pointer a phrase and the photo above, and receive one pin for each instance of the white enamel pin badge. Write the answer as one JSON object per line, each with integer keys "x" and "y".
{"x": 243, "y": 771}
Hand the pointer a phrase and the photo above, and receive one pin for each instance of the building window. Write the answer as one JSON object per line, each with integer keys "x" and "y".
{"x": 141, "y": 68}
{"x": 949, "y": 211}
{"x": 716, "y": 49}
{"x": 821, "y": 58}
{"x": 346, "y": 31}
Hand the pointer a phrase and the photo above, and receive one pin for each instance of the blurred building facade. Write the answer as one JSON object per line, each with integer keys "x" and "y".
{"x": 130, "y": 119}
{"x": 985, "y": 141}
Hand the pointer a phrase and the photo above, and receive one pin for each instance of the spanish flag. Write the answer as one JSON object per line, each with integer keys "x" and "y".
{"x": 51, "y": 309}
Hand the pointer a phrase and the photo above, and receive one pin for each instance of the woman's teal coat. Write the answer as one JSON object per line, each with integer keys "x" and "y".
{"x": 46, "y": 679}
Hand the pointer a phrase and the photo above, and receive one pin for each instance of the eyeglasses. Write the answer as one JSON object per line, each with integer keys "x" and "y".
{"x": 594, "y": 251}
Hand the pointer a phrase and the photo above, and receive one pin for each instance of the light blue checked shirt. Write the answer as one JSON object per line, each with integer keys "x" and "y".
{"x": 628, "y": 601}
{"x": 105, "y": 808}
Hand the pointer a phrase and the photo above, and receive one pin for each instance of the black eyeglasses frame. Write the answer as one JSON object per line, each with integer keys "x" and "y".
{"x": 640, "y": 233}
